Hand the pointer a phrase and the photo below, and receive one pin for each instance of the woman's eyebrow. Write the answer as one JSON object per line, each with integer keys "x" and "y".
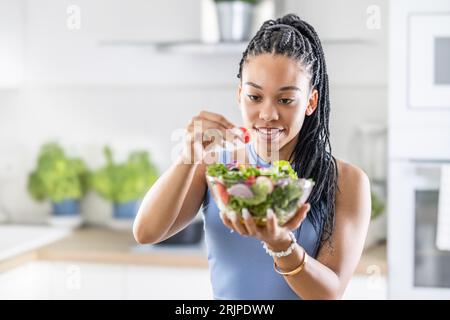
{"x": 253, "y": 85}
{"x": 287, "y": 88}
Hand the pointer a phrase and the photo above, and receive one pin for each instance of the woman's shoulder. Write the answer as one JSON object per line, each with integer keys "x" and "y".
{"x": 348, "y": 172}
{"x": 353, "y": 187}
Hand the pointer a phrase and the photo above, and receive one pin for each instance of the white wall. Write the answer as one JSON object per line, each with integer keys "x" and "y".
{"x": 85, "y": 119}
{"x": 11, "y": 42}
{"x": 87, "y": 96}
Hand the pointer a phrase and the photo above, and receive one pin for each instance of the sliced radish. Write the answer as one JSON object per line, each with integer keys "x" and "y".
{"x": 240, "y": 190}
{"x": 282, "y": 182}
{"x": 265, "y": 181}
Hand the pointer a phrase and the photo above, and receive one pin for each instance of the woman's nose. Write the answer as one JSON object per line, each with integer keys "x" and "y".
{"x": 268, "y": 114}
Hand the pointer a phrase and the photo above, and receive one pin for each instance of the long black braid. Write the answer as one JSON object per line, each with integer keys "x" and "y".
{"x": 312, "y": 158}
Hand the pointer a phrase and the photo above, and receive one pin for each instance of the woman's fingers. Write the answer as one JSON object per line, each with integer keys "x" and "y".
{"x": 249, "y": 227}
{"x": 272, "y": 221}
{"x": 209, "y": 130}
{"x": 226, "y": 221}
{"x": 231, "y": 132}
{"x": 249, "y": 223}
{"x": 297, "y": 219}
{"x": 237, "y": 225}
{"x": 233, "y": 223}
{"x": 200, "y": 125}
{"x": 216, "y": 118}
{"x": 204, "y": 132}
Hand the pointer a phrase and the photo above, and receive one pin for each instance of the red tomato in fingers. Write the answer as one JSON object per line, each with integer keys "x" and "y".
{"x": 222, "y": 193}
{"x": 246, "y": 134}
{"x": 250, "y": 180}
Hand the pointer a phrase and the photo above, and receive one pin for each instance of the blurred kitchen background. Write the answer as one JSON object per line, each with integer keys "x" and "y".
{"x": 93, "y": 99}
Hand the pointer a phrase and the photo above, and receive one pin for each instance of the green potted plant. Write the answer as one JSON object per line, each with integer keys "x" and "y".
{"x": 235, "y": 18}
{"x": 61, "y": 179}
{"x": 378, "y": 206}
{"x": 124, "y": 184}
{"x": 377, "y": 227}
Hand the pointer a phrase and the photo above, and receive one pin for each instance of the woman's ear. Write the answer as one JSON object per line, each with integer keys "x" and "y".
{"x": 239, "y": 95}
{"x": 312, "y": 103}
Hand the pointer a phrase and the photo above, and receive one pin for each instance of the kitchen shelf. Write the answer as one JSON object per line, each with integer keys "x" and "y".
{"x": 184, "y": 47}
{"x": 199, "y": 47}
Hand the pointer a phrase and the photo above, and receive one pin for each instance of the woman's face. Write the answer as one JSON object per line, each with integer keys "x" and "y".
{"x": 274, "y": 97}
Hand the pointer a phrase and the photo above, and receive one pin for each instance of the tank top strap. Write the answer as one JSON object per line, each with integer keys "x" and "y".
{"x": 253, "y": 156}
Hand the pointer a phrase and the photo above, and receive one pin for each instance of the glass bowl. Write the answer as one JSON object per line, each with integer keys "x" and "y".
{"x": 258, "y": 193}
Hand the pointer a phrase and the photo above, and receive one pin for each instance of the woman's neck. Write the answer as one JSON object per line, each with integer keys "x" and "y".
{"x": 283, "y": 153}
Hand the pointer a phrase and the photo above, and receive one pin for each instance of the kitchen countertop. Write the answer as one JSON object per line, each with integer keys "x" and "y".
{"x": 15, "y": 239}
{"x": 101, "y": 245}
{"x": 112, "y": 246}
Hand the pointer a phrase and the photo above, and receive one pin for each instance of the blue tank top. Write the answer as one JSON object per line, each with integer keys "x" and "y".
{"x": 239, "y": 266}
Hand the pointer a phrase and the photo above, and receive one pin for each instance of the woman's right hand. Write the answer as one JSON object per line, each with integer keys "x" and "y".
{"x": 204, "y": 130}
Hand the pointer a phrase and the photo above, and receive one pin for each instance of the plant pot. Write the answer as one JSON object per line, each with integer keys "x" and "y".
{"x": 235, "y": 20}
{"x": 66, "y": 214}
{"x": 126, "y": 210}
{"x": 66, "y": 207}
{"x": 192, "y": 234}
{"x": 124, "y": 215}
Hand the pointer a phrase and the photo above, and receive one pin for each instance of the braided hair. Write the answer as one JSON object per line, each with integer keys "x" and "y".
{"x": 311, "y": 157}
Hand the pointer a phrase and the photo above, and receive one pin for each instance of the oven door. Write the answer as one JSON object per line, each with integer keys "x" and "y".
{"x": 417, "y": 268}
{"x": 429, "y": 63}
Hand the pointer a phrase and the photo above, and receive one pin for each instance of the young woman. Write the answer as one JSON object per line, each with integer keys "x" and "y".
{"x": 284, "y": 100}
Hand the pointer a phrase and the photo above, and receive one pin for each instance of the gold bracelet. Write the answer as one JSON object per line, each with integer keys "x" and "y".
{"x": 296, "y": 270}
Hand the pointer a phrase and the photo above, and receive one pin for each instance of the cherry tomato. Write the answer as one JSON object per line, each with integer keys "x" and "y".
{"x": 250, "y": 180}
{"x": 246, "y": 134}
{"x": 222, "y": 193}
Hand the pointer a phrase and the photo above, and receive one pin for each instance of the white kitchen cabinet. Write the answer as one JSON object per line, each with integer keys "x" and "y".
{"x": 74, "y": 280}
{"x": 87, "y": 281}
{"x": 62, "y": 280}
{"x": 11, "y": 43}
{"x": 167, "y": 283}
{"x": 28, "y": 281}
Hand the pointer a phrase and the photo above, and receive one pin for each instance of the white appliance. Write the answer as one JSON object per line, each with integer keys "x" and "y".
{"x": 429, "y": 60}
{"x": 419, "y": 146}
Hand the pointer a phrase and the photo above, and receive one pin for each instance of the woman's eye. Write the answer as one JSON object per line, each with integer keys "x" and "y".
{"x": 285, "y": 101}
{"x": 253, "y": 98}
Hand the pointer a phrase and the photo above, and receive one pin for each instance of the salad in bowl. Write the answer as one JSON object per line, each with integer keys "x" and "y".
{"x": 235, "y": 187}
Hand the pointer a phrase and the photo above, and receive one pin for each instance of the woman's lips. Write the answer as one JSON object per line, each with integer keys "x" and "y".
{"x": 268, "y": 134}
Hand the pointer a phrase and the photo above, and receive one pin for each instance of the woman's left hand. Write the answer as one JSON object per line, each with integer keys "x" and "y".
{"x": 272, "y": 234}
